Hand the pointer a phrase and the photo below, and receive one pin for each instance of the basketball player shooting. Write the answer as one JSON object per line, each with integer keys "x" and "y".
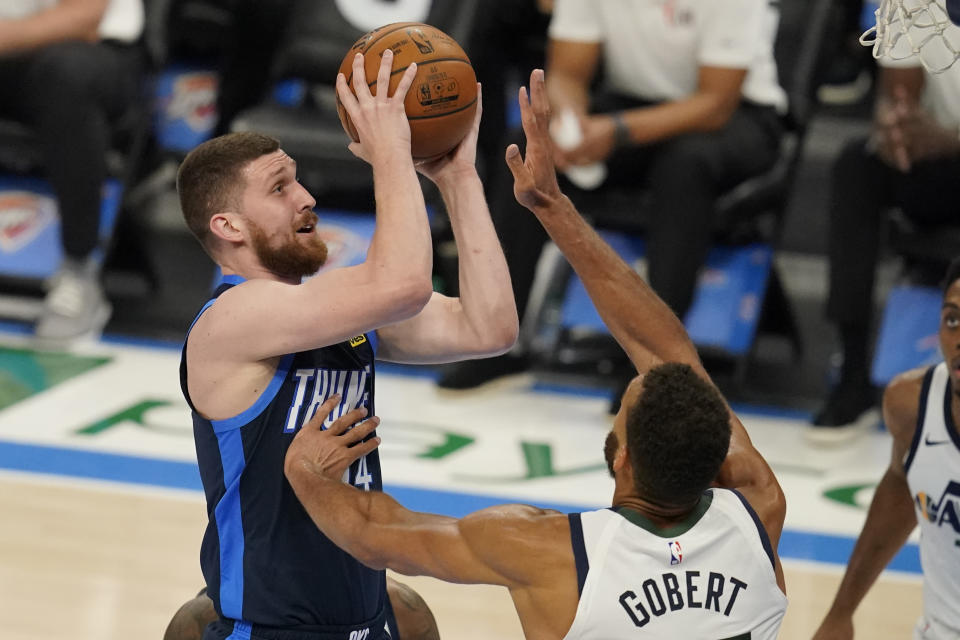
{"x": 268, "y": 350}
{"x": 688, "y": 548}
{"x": 921, "y": 409}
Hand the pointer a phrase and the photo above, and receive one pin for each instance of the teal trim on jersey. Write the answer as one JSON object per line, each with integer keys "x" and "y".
{"x": 674, "y": 530}
{"x": 219, "y": 426}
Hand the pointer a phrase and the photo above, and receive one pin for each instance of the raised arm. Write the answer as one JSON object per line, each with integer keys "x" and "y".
{"x": 516, "y": 546}
{"x": 482, "y": 321}
{"x": 392, "y": 284}
{"x": 891, "y": 517}
{"x": 646, "y": 328}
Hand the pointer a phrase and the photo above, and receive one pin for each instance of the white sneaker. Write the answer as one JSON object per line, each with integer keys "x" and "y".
{"x": 75, "y": 306}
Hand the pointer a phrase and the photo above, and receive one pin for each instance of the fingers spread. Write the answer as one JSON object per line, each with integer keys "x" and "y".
{"x": 347, "y": 420}
{"x": 362, "y": 430}
{"x": 360, "y": 78}
{"x": 323, "y": 412}
{"x": 383, "y": 77}
{"x": 405, "y": 82}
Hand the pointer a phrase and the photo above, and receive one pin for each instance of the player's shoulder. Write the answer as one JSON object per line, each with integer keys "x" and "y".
{"x": 901, "y": 402}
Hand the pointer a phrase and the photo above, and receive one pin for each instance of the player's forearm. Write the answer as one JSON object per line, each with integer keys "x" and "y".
{"x": 401, "y": 246}
{"x": 889, "y": 522}
{"x": 486, "y": 294}
{"x": 76, "y": 20}
{"x": 639, "y": 320}
{"x": 341, "y": 512}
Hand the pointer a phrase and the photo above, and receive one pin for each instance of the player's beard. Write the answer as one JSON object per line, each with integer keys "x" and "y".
{"x": 293, "y": 259}
{"x": 610, "y": 446}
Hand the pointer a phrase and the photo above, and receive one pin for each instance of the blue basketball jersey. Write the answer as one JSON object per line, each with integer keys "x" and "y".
{"x": 264, "y": 560}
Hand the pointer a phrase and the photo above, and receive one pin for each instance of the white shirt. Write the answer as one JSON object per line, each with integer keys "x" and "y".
{"x": 652, "y": 49}
{"x": 122, "y": 20}
{"x": 933, "y": 475}
{"x": 711, "y": 577}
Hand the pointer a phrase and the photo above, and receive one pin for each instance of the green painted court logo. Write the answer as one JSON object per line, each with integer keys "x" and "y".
{"x": 24, "y": 373}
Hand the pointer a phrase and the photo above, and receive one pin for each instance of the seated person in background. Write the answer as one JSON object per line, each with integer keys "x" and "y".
{"x": 688, "y": 548}
{"x": 69, "y": 68}
{"x": 911, "y": 160}
{"x": 688, "y": 106}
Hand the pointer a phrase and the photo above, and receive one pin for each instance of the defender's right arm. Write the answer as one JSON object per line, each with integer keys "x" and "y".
{"x": 260, "y": 319}
{"x": 641, "y": 322}
{"x": 891, "y": 518}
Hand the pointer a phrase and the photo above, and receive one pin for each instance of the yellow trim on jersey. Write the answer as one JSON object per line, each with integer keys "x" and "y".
{"x": 359, "y": 340}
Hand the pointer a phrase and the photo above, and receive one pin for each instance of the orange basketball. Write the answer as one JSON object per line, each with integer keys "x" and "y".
{"x": 442, "y": 100}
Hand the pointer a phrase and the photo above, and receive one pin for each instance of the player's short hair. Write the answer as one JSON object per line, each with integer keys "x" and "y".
{"x": 953, "y": 274}
{"x": 678, "y": 433}
{"x": 210, "y": 181}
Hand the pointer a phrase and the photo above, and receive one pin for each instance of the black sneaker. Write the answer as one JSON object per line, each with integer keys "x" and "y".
{"x": 850, "y": 410}
{"x": 473, "y": 373}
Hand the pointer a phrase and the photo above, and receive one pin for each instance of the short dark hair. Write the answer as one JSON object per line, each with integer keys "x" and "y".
{"x": 209, "y": 179}
{"x": 953, "y": 274}
{"x": 678, "y": 433}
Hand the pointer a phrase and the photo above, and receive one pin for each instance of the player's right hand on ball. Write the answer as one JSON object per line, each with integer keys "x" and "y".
{"x": 380, "y": 120}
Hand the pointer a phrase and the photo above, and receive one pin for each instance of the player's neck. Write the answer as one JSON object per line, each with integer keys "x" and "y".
{"x": 660, "y": 514}
{"x": 251, "y": 269}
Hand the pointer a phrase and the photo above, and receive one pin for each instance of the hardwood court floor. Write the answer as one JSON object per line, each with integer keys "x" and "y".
{"x": 89, "y": 560}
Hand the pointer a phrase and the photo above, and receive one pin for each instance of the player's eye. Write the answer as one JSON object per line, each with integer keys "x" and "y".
{"x": 951, "y": 321}
{"x": 279, "y": 187}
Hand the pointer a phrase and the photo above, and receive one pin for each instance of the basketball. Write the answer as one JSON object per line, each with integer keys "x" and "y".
{"x": 442, "y": 100}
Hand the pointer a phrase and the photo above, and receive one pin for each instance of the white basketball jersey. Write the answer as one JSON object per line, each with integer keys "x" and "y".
{"x": 709, "y": 578}
{"x": 933, "y": 475}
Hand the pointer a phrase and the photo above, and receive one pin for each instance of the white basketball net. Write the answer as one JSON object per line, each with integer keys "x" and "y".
{"x": 908, "y": 28}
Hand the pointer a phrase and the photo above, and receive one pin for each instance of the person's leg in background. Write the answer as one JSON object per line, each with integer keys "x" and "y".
{"x": 858, "y": 195}
{"x": 71, "y": 93}
{"x": 686, "y": 176}
{"x": 507, "y": 41}
{"x": 258, "y": 29}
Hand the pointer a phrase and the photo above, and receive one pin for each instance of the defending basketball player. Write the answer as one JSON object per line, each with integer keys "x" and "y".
{"x": 921, "y": 409}
{"x": 680, "y": 554}
{"x": 268, "y": 350}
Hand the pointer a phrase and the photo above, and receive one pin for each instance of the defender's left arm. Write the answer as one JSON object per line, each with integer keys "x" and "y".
{"x": 483, "y": 321}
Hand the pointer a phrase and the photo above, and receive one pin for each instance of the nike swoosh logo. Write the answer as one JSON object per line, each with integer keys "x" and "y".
{"x": 932, "y": 443}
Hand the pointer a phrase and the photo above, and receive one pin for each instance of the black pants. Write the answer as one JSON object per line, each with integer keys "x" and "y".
{"x": 863, "y": 189}
{"x": 70, "y": 93}
{"x": 684, "y": 176}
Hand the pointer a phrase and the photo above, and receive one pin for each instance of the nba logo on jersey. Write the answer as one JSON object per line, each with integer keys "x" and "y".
{"x": 676, "y": 553}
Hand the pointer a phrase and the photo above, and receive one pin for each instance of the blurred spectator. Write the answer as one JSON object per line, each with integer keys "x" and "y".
{"x": 688, "y": 105}
{"x": 910, "y": 161}
{"x": 257, "y": 30}
{"x": 68, "y": 69}
{"x": 849, "y": 77}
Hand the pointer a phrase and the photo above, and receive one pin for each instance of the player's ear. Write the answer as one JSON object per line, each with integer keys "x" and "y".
{"x": 621, "y": 459}
{"x": 228, "y": 226}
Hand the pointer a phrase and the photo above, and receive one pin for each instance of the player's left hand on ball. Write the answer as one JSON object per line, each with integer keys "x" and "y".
{"x": 329, "y": 452}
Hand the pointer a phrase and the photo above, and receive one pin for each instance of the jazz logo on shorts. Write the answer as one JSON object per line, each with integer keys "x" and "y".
{"x": 676, "y": 553}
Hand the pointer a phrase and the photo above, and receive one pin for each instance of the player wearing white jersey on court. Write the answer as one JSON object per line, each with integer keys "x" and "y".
{"x": 688, "y": 549}
{"x": 921, "y": 409}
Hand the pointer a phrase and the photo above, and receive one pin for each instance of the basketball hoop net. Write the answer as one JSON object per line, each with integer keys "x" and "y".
{"x": 914, "y": 27}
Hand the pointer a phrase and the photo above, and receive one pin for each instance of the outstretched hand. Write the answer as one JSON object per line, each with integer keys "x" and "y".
{"x": 330, "y": 452}
{"x": 534, "y": 176}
